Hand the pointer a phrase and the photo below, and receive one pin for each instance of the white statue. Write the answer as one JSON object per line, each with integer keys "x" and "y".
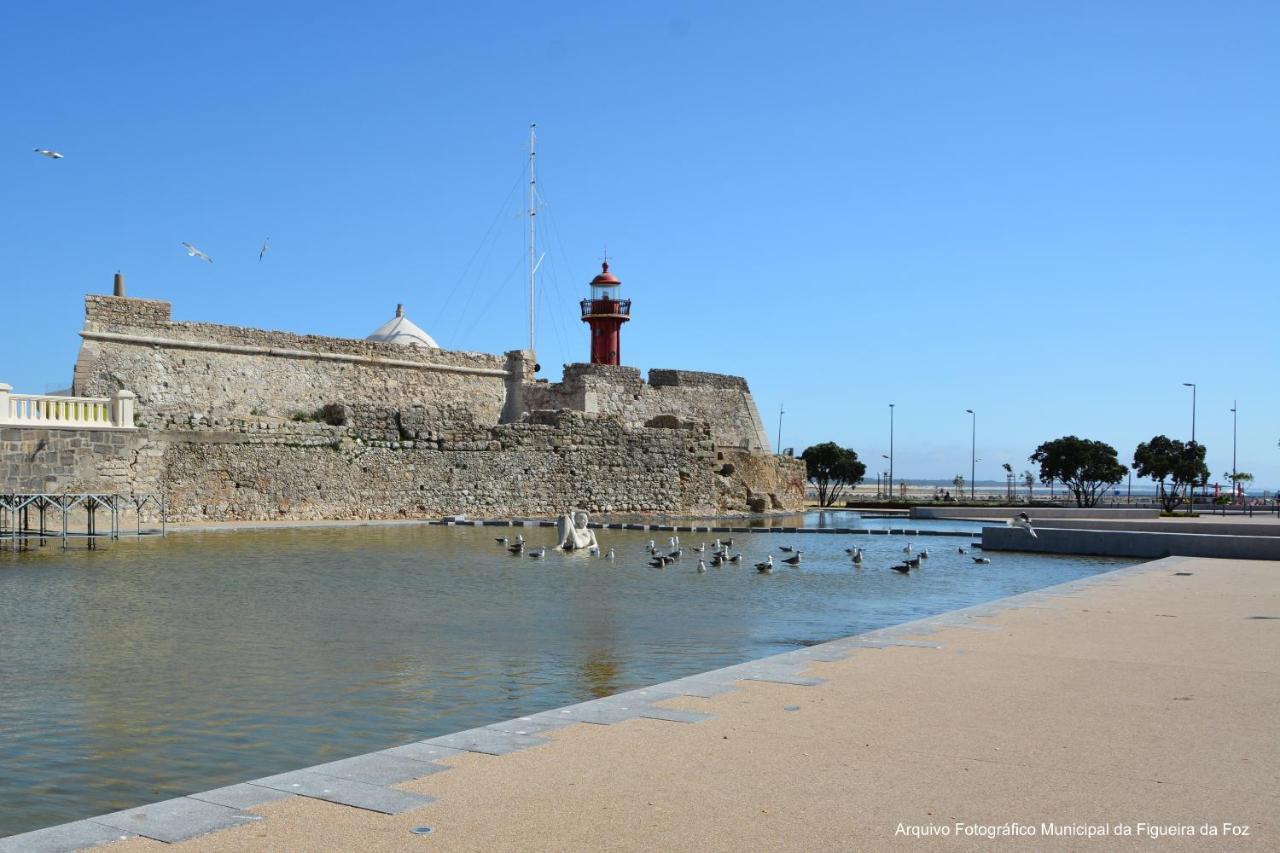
{"x": 573, "y": 532}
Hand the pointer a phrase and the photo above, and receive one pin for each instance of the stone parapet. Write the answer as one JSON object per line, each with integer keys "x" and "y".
{"x": 126, "y": 311}
{"x": 663, "y": 378}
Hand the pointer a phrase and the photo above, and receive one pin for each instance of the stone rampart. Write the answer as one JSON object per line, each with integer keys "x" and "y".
{"x": 376, "y": 464}
{"x": 722, "y": 402}
{"x": 181, "y": 368}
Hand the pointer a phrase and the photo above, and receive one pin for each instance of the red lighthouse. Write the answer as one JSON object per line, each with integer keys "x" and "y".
{"x": 605, "y": 313}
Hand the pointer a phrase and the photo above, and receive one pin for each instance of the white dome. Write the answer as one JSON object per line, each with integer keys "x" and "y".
{"x": 401, "y": 330}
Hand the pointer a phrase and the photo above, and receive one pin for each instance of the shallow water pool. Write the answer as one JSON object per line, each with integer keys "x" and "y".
{"x": 157, "y": 667}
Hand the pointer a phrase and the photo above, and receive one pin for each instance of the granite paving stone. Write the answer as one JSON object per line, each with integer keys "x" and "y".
{"x": 675, "y": 716}
{"x": 346, "y": 792}
{"x": 702, "y": 688}
{"x": 420, "y": 751}
{"x": 242, "y": 796}
{"x": 378, "y": 768}
{"x": 598, "y": 713}
{"x": 63, "y": 838}
{"x": 176, "y": 819}
{"x": 490, "y": 741}
{"x": 530, "y": 726}
{"x": 782, "y": 678}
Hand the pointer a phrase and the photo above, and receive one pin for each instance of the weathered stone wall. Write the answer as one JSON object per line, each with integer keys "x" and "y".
{"x": 56, "y": 460}
{"x": 379, "y": 463}
{"x": 180, "y": 369}
{"x": 722, "y": 402}
{"x": 531, "y": 468}
{"x": 768, "y": 483}
{"x": 252, "y": 424}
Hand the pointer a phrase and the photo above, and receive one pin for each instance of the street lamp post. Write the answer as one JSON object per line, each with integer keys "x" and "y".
{"x": 1234, "y": 486}
{"x": 973, "y": 452}
{"x": 780, "y": 414}
{"x": 891, "y": 449}
{"x": 1192, "y": 386}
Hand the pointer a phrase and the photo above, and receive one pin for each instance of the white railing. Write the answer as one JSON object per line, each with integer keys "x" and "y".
{"x": 43, "y": 410}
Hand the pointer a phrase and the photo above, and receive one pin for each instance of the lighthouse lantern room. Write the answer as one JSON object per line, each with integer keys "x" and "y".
{"x": 605, "y": 313}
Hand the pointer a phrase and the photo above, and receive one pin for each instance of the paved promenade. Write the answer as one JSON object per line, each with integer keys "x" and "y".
{"x": 1145, "y": 700}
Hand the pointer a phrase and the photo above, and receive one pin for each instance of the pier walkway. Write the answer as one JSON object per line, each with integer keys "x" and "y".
{"x": 1143, "y": 701}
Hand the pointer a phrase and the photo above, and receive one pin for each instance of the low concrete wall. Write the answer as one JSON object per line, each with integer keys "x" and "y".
{"x": 1036, "y": 512}
{"x": 1125, "y": 543}
{"x": 1212, "y": 528}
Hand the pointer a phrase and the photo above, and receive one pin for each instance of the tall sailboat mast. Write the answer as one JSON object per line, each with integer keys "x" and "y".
{"x": 533, "y": 234}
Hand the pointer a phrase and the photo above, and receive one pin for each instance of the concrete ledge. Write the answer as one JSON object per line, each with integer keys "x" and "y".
{"x": 1262, "y": 527}
{"x": 1004, "y": 512}
{"x": 1130, "y": 543}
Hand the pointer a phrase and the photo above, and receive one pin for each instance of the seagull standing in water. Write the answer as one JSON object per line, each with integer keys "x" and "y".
{"x": 766, "y": 567}
{"x": 1024, "y": 521}
{"x": 702, "y": 566}
{"x": 45, "y": 152}
{"x": 193, "y": 252}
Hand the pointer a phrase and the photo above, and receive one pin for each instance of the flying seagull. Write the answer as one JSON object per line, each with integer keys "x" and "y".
{"x": 1024, "y": 521}
{"x": 266, "y": 244}
{"x": 193, "y": 252}
{"x": 45, "y": 152}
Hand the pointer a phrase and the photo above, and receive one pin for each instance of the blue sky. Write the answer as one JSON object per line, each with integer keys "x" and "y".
{"x": 1054, "y": 214}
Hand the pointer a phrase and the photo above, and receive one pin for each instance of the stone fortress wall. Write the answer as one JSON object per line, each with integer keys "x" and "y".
{"x": 722, "y": 402}
{"x": 370, "y": 467}
{"x": 245, "y": 424}
{"x": 181, "y": 368}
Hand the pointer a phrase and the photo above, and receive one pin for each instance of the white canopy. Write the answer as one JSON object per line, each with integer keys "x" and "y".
{"x": 401, "y": 330}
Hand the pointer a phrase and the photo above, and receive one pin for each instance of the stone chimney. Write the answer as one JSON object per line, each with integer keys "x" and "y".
{"x": 119, "y": 284}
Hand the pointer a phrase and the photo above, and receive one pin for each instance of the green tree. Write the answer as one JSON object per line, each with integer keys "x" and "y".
{"x": 1176, "y": 466}
{"x": 958, "y": 482}
{"x": 1029, "y": 480}
{"x": 1084, "y": 466}
{"x": 1240, "y": 478}
{"x": 831, "y": 468}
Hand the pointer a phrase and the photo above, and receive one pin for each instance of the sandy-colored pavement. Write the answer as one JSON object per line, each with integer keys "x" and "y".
{"x": 1144, "y": 699}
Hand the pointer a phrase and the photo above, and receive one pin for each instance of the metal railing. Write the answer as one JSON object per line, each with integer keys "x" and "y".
{"x": 606, "y": 307}
{"x": 44, "y": 410}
